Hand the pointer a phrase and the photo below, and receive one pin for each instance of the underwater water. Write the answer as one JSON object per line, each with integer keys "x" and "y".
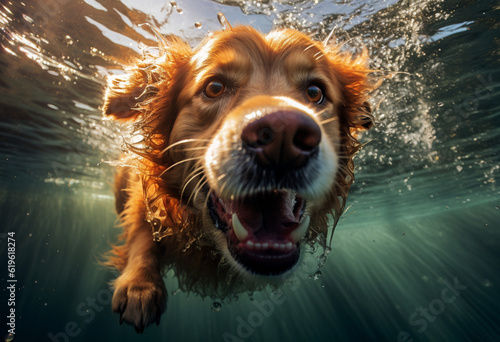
{"x": 416, "y": 256}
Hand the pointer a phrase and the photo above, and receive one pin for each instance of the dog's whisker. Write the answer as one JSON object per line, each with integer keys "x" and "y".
{"x": 185, "y": 141}
{"x": 329, "y": 120}
{"x": 195, "y": 170}
{"x": 198, "y": 187}
{"x": 319, "y": 55}
{"x": 222, "y": 188}
{"x": 195, "y": 173}
{"x": 200, "y": 148}
{"x": 207, "y": 197}
{"x": 345, "y": 43}
{"x": 321, "y": 112}
{"x": 178, "y": 163}
{"x": 189, "y": 181}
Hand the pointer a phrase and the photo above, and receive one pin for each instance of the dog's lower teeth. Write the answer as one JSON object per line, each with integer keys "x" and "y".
{"x": 264, "y": 246}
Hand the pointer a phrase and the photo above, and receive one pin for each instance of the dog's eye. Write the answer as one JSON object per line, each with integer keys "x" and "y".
{"x": 214, "y": 89}
{"x": 315, "y": 94}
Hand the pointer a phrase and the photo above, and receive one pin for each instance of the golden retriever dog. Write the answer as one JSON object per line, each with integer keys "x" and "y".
{"x": 241, "y": 154}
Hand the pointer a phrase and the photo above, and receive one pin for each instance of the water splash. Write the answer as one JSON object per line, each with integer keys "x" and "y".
{"x": 223, "y": 21}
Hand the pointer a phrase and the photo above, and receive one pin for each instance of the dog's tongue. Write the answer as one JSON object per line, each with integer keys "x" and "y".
{"x": 273, "y": 213}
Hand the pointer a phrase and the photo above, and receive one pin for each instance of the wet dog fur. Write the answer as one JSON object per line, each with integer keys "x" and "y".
{"x": 189, "y": 108}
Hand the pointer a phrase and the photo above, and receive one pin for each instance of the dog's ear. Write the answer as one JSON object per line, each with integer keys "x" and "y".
{"x": 361, "y": 119}
{"x": 354, "y": 75}
{"x": 123, "y": 94}
{"x": 365, "y": 118}
{"x": 126, "y": 94}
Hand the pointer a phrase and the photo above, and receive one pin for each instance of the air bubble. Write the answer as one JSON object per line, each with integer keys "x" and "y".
{"x": 197, "y": 25}
{"x": 216, "y": 306}
{"x": 322, "y": 260}
{"x": 68, "y": 40}
{"x": 28, "y": 19}
{"x": 317, "y": 275}
{"x": 223, "y": 21}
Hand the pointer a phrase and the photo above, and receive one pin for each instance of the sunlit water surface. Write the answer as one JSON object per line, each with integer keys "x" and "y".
{"x": 416, "y": 255}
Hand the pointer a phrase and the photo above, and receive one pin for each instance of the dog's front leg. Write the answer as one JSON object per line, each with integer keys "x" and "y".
{"x": 140, "y": 295}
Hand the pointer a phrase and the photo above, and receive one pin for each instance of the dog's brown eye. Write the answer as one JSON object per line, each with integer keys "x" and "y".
{"x": 214, "y": 89}
{"x": 314, "y": 94}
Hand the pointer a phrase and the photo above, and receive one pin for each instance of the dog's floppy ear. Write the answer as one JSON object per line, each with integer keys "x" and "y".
{"x": 361, "y": 119}
{"x": 127, "y": 94}
{"x": 365, "y": 117}
{"x": 123, "y": 94}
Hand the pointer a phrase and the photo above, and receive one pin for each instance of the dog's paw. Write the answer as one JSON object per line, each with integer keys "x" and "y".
{"x": 139, "y": 302}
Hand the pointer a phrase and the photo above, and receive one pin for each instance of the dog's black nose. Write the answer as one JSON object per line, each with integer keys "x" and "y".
{"x": 283, "y": 139}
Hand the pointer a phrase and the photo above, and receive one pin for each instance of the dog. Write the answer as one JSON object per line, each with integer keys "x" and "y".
{"x": 241, "y": 154}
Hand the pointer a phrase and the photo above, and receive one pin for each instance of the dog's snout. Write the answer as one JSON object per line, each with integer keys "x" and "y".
{"x": 282, "y": 139}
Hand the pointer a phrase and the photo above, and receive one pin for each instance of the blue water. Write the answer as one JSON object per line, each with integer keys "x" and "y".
{"x": 415, "y": 257}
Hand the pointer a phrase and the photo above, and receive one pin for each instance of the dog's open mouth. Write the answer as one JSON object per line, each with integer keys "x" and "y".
{"x": 263, "y": 231}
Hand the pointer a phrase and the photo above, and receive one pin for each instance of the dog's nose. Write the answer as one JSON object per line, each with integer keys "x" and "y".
{"x": 283, "y": 139}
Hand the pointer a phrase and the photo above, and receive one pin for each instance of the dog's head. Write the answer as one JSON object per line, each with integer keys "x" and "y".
{"x": 254, "y": 133}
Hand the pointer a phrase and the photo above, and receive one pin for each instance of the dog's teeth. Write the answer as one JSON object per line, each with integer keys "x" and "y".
{"x": 250, "y": 244}
{"x": 258, "y": 245}
{"x": 282, "y": 246}
{"x": 301, "y": 230}
{"x": 289, "y": 246}
{"x": 239, "y": 230}
{"x": 265, "y": 245}
{"x": 276, "y": 245}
